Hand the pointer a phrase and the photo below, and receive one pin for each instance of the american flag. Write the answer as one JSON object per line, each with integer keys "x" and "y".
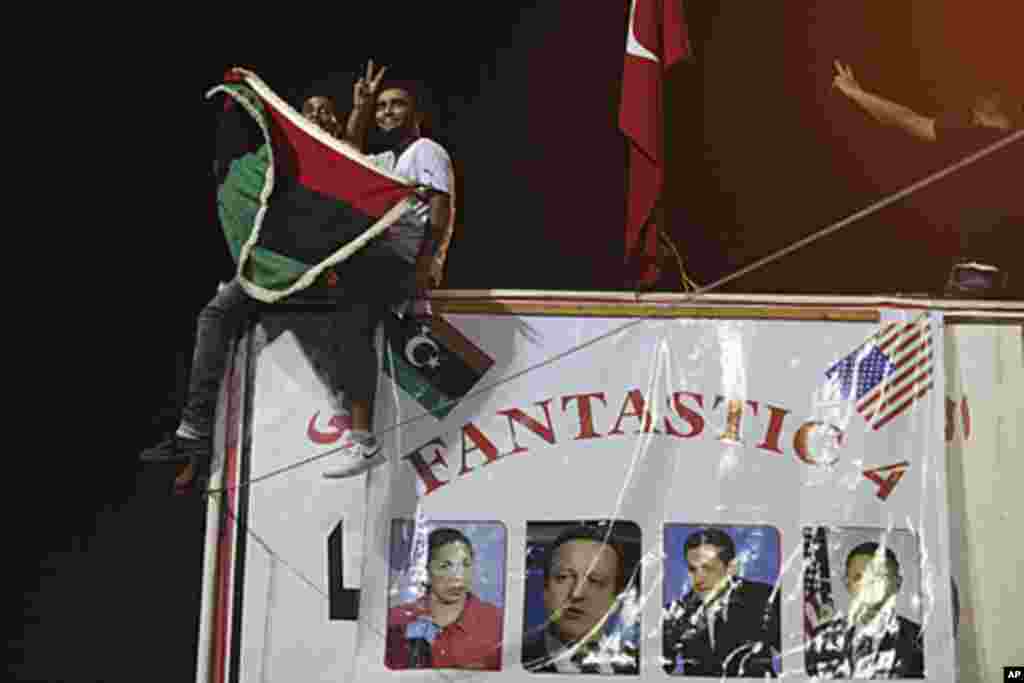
{"x": 888, "y": 372}
{"x": 818, "y": 605}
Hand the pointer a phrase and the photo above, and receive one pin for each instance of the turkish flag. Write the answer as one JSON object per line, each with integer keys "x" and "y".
{"x": 655, "y": 40}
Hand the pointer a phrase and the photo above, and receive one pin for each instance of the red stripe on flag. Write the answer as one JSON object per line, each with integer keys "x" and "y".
{"x": 656, "y": 39}
{"x": 909, "y": 333}
{"x": 878, "y": 392}
{"x": 906, "y": 373}
{"x": 903, "y": 407}
{"x": 908, "y": 341}
{"x": 868, "y": 400}
{"x": 319, "y": 168}
{"x": 890, "y": 334}
{"x": 889, "y": 400}
{"x": 885, "y": 409}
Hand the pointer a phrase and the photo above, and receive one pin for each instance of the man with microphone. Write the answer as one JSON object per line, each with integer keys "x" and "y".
{"x": 725, "y": 625}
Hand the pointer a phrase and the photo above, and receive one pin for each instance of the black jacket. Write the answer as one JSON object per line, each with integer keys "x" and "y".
{"x": 899, "y": 653}
{"x": 537, "y": 659}
{"x": 746, "y": 632}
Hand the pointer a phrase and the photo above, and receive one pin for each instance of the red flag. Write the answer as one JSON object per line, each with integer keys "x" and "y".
{"x": 297, "y": 202}
{"x": 655, "y": 40}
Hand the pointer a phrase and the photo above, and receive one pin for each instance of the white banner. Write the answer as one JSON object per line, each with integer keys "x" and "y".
{"x": 985, "y": 440}
{"x": 694, "y": 497}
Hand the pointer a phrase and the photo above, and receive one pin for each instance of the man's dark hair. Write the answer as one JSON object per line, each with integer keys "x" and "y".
{"x": 870, "y": 548}
{"x": 331, "y": 88}
{"x": 442, "y": 536}
{"x": 415, "y": 90}
{"x": 585, "y": 532}
{"x": 423, "y": 104}
{"x": 717, "y": 538}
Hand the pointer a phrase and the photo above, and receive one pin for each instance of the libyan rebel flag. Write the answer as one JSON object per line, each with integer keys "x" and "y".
{"x": 432, "y": 361}
{"x": 295, "y": 201}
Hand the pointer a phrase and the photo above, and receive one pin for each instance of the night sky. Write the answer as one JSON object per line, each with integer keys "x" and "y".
{"x": 761, "y": 152}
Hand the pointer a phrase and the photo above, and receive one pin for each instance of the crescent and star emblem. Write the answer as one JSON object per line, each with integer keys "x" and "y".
{"x": 433, "y": 359}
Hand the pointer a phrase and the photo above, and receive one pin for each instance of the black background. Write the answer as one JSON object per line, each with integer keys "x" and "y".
{"x": 761, "y": 152}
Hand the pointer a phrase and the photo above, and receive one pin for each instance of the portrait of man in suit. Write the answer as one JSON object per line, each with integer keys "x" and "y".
{"x": 871, "y": 640}
{"x": 586, "y": 591}
{"x": 724, "y": 625}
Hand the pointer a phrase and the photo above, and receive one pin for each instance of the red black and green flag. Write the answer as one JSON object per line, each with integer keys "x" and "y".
{"x": 293, "y": 201}
{"x": 432, "y": 361}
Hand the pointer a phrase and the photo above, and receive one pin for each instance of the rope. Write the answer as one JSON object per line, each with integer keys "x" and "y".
{"x": 688, "y": 296}
{"x": 882, "y": 203}
{"x": 687, "y": 282}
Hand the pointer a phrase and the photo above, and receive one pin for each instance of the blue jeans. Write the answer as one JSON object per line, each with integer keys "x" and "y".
{"x": 369, "y": 283}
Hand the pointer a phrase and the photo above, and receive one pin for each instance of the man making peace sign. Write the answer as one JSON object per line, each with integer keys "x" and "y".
{"x": 389, "y": 270}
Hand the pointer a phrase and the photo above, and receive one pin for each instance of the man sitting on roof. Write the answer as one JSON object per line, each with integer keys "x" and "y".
{"x": 387, "y": 271}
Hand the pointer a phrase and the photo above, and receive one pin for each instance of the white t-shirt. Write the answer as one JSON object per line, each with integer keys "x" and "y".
{"x": 424, "y": 162}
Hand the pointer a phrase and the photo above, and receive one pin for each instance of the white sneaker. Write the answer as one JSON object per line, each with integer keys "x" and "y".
{"x": 357, "y": 458}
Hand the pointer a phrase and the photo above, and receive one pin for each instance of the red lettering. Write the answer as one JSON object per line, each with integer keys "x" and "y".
{"x": 771, "y": 439}
{"x": 694, "y": 419}
{"x": 482, "y": 444}
{"x": 635, "y": 399}
{"x": 965, "y": 415}
{"x": 950, "y": 419}
{"x": 339, "y": 423}
{"x": 648, "y": 420}
{"x": 585, "y": 413}
{"x": 887, "y": 484}
{"x": 426, "y": 470}
{"x": 802, "y": 448}
{"x": 515, "y": 415}
{"x": 733, "y": 418}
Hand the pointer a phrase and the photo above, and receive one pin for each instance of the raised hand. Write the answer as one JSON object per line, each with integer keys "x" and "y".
{"x": 365, "y": 90}
{"x": 844, "y": 79}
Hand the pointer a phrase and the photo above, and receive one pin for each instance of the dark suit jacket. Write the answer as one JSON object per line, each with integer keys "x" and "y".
{"x": 535, "y": 654}
{"x": 746, "y": 632}
{"x": 899, "y": 653}
{"x": 536, "y": 657}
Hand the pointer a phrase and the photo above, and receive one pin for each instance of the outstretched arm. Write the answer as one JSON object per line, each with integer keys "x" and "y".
{"x": 884, "y": 111}
{"x": 364, "y": 99}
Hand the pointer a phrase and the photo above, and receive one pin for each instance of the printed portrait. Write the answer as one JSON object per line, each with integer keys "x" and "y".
{"x": 582, "y": 611}
{"x": 446, "y": 595}
{"x": 862, "y": 603}
{"x": 722, "y": 616}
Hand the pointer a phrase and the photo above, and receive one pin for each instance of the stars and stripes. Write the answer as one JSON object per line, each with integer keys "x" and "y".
{"x": 889, "y": 372}
{"x": 818, "y": 605}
